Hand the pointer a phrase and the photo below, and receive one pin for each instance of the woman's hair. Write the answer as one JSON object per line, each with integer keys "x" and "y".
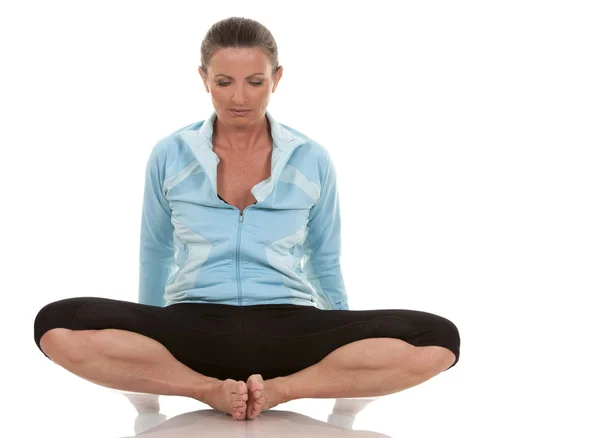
{"x": 238, "y": 32}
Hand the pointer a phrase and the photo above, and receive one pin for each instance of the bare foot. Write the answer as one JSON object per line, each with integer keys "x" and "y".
{"x": 263, "y": 395}
{"x": 227, "y": 396}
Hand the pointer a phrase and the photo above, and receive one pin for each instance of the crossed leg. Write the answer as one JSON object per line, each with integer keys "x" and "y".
{"x": 394, "y": 365}
{"x": 371, "y": 366}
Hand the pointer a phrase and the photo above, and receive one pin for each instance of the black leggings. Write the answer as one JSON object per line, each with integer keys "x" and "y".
{"x": 224, "y": 341}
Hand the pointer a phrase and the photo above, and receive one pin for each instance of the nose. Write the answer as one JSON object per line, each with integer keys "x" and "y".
{"x": 238, "y": 95}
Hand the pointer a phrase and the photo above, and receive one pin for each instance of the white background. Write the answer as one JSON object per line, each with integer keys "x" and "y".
{"x": 465, "y": 136}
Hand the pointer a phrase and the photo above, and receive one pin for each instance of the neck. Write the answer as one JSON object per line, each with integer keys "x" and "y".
{"x": 246, "y": 138}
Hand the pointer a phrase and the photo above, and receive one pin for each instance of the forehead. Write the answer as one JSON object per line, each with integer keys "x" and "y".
{"x": 239, "y": 62}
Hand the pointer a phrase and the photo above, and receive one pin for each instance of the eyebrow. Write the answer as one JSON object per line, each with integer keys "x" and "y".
{"x": 254, "y": 74}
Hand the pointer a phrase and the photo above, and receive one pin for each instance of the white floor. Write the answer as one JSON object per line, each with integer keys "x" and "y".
{"x": 276, "y": 422}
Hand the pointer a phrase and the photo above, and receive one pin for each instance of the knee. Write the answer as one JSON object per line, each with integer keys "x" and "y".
{"x": 441, "y": 359}
{"x": 55, "y": 343}
{"x": 450, "y": 344}
{"x": 52, "y": 326}
{"x": 445, "y": 341}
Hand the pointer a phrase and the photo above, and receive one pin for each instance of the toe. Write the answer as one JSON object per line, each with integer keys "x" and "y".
{"x": 230, "y": 385}
{"x": 256, "y": 406}
{"x": 252, "y": 414}
{"x": 238, "y": 397}
{"x": 241, "y": 388}
{"x": 255, "y": 381}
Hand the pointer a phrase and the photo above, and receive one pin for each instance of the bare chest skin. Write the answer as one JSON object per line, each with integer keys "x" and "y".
{"x": 239, "y": 171}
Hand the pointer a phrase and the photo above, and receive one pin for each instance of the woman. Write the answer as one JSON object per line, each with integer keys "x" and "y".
{"x": 242, "y": 304}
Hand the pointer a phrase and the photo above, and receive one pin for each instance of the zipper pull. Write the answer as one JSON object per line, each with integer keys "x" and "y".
{"x": 241, "y": 217}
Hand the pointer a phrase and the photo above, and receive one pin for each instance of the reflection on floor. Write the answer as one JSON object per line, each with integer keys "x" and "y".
{"x": 272, "y": 423}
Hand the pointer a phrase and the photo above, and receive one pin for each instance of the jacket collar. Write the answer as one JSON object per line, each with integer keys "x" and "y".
{"x": 284, "y": 143}
{"x": 283, "y": 139}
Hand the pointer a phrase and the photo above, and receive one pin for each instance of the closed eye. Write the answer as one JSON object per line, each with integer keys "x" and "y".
{"x": 224, "y": 84}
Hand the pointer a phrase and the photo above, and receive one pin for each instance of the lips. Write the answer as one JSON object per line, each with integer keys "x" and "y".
{"x": 239, "y": 112}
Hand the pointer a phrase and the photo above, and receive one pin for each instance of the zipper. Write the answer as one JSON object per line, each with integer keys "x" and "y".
{"x": 236, "y": 257}
{"x": 238, "y": 253}
{"x": 237, "y": 261}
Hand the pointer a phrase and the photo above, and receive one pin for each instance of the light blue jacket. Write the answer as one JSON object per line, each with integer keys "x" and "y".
{"x": 284, "y": 249}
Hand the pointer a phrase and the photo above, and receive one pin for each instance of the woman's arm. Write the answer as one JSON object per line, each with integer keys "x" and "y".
{"x": 156, "y": 237}
{"x": 323, "y": 246}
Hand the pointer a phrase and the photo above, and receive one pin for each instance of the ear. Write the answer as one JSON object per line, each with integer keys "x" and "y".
{"x": 277, "y": 77}
{"x": 204, "y": 80}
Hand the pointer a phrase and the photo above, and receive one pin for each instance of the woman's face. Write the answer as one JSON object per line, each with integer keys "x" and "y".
{"x": 240, "y": 78}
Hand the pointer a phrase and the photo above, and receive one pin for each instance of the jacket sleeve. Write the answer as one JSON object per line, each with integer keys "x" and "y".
{"x": 322, "y": 247}
{"x": 156, "y": 237}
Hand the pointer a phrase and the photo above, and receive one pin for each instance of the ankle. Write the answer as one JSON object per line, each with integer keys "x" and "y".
{"x": 204, "y": 386}
{"x": 285, "y": 386}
